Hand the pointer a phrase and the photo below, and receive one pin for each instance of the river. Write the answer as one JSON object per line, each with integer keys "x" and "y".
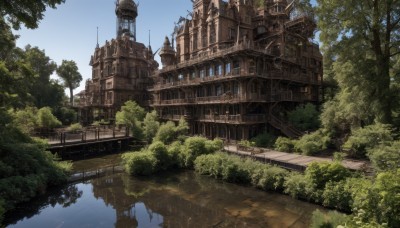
{"x": 178, "y": 199}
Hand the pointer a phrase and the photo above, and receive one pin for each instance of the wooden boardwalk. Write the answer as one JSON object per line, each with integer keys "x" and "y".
{"x": 292, "y": 161}
{"x": 89, "y": 142}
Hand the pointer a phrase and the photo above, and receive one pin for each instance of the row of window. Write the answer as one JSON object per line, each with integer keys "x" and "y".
{"x": 209, "y": 71}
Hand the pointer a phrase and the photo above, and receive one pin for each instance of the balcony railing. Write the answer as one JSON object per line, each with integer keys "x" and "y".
{"x": 282, "y": 96}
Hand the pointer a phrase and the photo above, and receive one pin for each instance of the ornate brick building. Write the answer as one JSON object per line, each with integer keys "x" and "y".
{"x": 238, "y": 67}
{"x": 120, "y": 70}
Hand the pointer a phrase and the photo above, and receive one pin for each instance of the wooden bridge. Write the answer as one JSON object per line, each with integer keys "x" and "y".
{"x": 289, "y": 160}
{"x": 95, "y": 140}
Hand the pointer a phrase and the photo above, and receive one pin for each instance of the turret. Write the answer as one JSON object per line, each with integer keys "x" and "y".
{"x": 126, "y": 11}
{"x": 167, "y": 53}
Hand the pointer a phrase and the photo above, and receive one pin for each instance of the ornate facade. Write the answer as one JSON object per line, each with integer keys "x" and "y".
{"x": 238, "y": 67}
{"x": 120, "y": 70}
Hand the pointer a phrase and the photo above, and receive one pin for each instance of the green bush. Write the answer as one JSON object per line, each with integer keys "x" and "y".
{"x": 338, "y": 195}
{"x": 140, "y": 163}
{"x": 160, "y": 152}
{"x": 265, "y": 140}
{"x": 243, "y": 171}
{"x": 284, "y": 144}
{"x": 271, "y": 178}
{"x": 246, "y": 143}
{"x": 210, "y": 164}
{"x": 214, "y": 145}
{"x": 297, "y": 186}
{"x": 385, "y": 157}
{"x": 67, "y": 116}
{"x": 26, "y": 168}
{"x": 46, "y": 119}
{"x": 175, "y": 155}
{"x": 25, "y": 119}
{"x": 367, "y": 138}
{"x": 192, "y": 148}
{"x": 312, "y": 143}
{"x": 321, "y": 173}
{"x": 234, "y": 170}
{"x": 150, "y": 126}
{"x": 305, "y": 117}
{"x": 332, "y": 219}
{"x": 166, "y": 133}
{"x": 75, "y": 127}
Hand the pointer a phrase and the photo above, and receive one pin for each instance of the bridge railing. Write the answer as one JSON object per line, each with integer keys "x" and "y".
{"x": 88, "y": 134}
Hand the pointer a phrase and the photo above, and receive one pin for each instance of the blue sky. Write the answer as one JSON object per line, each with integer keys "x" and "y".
{"x": 69, "y": 32}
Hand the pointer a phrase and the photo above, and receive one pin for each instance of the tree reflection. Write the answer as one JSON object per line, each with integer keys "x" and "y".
{"x": 65, "y": 196}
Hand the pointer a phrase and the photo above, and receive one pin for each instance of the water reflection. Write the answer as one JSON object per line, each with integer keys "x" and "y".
{"x": 170, "y": 200}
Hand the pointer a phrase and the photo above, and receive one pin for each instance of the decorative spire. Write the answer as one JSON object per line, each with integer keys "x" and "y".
{"x": 97, "y": 45}
{"x": 149, "y": 37}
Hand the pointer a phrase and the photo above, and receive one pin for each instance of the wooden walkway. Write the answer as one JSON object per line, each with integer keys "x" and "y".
{"x": 292, "y": 161}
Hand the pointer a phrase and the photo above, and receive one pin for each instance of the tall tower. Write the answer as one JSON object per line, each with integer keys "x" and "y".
{"x": 126, "y": 11}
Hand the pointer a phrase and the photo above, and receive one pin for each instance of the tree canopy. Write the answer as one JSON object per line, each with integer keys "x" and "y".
{"x": 69, "y": 74}
{"x": 361, "y": 40}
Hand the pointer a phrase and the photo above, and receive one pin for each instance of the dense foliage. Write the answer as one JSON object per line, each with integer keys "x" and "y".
{"x": 170, "y": 149}
{"x": 363, "y": 139}
{"x": 30, "y": 119}
{"x": 265, "y": 140}
{"x": 308, "y": 144}
{"x": 26, "y": 168}
{"x": 132, "y": 115}
{"x": 305, "y": 117}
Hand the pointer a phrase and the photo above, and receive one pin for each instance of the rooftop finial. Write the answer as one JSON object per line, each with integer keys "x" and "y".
{"x": 149, "y": 37}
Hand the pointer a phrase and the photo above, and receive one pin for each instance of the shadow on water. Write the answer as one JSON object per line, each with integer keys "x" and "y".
{"x": 180, "y": 199}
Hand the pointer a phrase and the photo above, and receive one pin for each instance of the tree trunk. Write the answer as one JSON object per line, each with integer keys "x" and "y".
{"x": 71, "y": 96}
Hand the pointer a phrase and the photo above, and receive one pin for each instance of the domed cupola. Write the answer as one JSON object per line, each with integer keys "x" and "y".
{"x": 126, "y": 11}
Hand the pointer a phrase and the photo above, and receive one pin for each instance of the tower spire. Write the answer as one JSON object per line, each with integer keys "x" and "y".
{"x": 97, "y": 45}
{"x": 149, "y": 37}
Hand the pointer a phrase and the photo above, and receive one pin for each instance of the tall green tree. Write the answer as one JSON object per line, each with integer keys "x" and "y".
{"x": 44, "y": 91}
{"x": 363, "y": 39}
{"x": 69, "y": 74}
{"x": 132, "y": 115}
{"x": 15, "y": 73}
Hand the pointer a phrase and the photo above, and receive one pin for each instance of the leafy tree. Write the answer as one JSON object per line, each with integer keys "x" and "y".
{"x": 26, "y": 119}
{"x": 150, "y": 125}
{"x": 363, "y": 39}
{"x": 68, "y": 72}
{"x": 367, "y": 138}
{"x": 385, "y": 158}
{"x": 27, "y": 12}
{"x": 45, "y": 92}
{"x": 166, "y": 133}
{"x": 305, "y": 117}
{"x": 131, "y": 114}
{"x": 15, "y": 75}
{"x": 46, "y": 119}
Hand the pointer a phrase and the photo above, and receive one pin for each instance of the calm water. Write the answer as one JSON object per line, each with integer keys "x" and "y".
{"x": 170, "y": 200}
